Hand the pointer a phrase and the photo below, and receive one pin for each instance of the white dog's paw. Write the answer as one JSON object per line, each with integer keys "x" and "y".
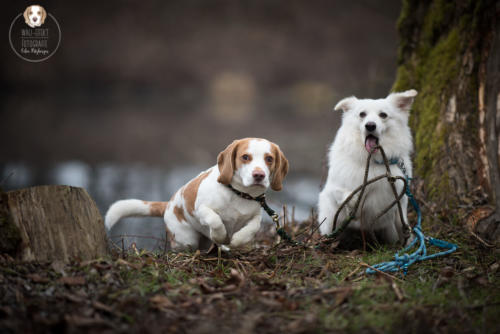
{"x": 238, "y": 241}
{"x": 225, "y": 248}
{"x": 218, "y": 235}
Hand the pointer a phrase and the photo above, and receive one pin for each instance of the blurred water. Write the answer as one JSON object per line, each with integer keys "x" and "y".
{"x": 110, "y": 182}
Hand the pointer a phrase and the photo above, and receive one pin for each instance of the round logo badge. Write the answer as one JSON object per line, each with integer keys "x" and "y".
{"x": 34, "y": 35}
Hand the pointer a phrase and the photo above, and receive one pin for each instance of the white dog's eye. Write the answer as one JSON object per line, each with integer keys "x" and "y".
{"x": 382, "y": 115}
{"x": 362, "y": 114}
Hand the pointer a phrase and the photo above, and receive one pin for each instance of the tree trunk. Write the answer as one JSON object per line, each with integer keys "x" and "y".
{"x": 450, "y": 53}
{"x": 56, "y": 223}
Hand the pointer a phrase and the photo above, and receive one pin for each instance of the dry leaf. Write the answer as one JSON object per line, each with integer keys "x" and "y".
{"x": 37, "y": 278}
{"x": 72, "y": 280}
{"x": 58, "y": 267}
{"x": 161, "y": 302}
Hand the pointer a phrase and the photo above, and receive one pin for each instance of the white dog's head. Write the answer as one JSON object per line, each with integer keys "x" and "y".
{"x": 381, "y": 121}
{"x": 35, "y": 16}
{"x": 252, "y": 165}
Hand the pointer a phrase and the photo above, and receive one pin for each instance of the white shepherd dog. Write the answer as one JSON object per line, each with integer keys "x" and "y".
{"x": 367, "y": 123}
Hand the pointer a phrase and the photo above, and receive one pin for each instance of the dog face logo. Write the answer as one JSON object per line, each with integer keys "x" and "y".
{"x": 34, "y": 16}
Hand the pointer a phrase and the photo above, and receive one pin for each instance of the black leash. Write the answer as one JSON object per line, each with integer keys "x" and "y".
{"x": 261, "y": 199}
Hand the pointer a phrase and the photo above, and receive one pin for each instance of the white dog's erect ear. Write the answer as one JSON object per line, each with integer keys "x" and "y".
{"x": 346, "y": 104}
{"x": 403, "y": 100}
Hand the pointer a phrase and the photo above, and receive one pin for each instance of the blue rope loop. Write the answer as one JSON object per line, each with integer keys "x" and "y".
{"x": 403, "y": 262}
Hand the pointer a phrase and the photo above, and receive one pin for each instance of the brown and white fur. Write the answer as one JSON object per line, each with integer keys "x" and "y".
{"x": 205, "y": 210}
{"x": 34, "y": 16}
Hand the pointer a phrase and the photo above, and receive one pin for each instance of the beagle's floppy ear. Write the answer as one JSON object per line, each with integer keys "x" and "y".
{"x": 25, "y": 14}
{"x": 403, "y": 100}
{"x": 280, "y": 169}
{"x": 44, "y": 15}
{"x": 226, "y": 161}
{"x": 346, "y": 104}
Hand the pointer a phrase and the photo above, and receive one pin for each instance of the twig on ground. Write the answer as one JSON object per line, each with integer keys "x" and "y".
{"x": 381, "y": 272}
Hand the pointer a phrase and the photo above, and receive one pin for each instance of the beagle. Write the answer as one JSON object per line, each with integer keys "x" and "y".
{"x": 206, "y": 209}
{"x": 34, "y": 16}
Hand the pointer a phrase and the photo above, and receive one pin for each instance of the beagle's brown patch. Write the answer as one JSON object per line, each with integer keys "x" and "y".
{"x": 190, "y": 191}
{"x": 241, "y": 150}
{"x": 157, "y": 209}
{"x": 279, "y": 167}
{"x": 179, "y": 213}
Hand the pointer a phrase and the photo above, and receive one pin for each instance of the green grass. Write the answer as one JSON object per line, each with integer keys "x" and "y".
{"x": 278, "y": 289}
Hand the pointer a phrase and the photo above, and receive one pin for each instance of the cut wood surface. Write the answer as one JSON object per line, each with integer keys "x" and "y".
{"x": 57, "y": 223}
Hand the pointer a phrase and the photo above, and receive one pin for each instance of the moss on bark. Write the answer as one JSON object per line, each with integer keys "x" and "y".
{"x": 439, "y": 55}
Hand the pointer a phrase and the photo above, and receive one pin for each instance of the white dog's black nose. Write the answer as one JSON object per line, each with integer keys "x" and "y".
{"x": 370, "y": 126}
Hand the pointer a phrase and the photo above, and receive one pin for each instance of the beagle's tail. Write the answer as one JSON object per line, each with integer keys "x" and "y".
{"x": 133, "y": 208}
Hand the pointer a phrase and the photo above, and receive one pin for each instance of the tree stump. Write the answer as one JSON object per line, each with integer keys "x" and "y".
{"x": 10, "y": 241}
{"x": 57, "y": 223}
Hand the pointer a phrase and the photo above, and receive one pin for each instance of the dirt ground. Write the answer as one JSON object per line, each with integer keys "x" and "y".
{"x": 273, "y": 288}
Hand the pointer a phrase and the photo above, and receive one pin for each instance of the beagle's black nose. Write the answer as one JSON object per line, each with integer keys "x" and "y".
{"x": 258, "y": 175}
{"x": 370, "y": 126}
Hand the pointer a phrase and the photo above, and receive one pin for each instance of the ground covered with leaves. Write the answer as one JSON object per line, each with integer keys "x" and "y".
{"x": 273, "y": 288}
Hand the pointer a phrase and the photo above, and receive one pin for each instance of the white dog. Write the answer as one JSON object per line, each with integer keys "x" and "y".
{"x": 34, "y": 16}
{"x": 206, "y": 209}
{"x": 367, "y": 123}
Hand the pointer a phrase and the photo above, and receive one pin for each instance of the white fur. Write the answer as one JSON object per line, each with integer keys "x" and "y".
{"x": 347, "y": 159}
{"x": 219, "y": 214}
{"x": 35, "y": 16}
{"x": 125, "y": 208}
{"x": 243, "y": 176}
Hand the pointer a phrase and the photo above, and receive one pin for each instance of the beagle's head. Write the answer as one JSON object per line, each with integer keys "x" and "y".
{"x": 35, "y": 16}
{"x": 252, "y": 163}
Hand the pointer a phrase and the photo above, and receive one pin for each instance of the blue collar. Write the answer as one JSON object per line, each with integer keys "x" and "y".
{"x": 392, "y": 161}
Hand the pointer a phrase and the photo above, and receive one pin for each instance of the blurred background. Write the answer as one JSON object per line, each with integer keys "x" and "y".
{"x": 142, "y": 95}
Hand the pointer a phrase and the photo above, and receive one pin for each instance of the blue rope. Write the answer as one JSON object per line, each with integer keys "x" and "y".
{"x": 406, "y": 260}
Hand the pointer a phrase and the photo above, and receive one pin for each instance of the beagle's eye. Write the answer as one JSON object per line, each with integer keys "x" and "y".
{"x": 39, "y": 13}
{"x": 245, "y": 157}
{"x": 31, "y": 12}
{"x": 362, "y": 114}
{"x": 269, "y": 160}
{"x": 383, "y": 115}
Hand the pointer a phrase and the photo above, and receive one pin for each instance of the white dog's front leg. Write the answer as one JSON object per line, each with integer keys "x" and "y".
{"x": 330, "y": 200}
{"x": 247, "y": 233}
{"x": 326, "y": 210}
{"x": 216, "y": 227}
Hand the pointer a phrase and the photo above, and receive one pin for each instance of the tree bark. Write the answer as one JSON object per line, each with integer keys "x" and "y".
{"x": 10, "y": 240}
{"x": 57, "y": 223}
{"x": 449, "y": 52}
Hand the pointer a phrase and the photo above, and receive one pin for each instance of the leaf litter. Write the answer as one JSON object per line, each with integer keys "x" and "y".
{"x": 275, "y": 287}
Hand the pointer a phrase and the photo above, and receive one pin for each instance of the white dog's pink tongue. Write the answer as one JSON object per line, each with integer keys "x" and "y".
{"x": 370, "y": 143}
